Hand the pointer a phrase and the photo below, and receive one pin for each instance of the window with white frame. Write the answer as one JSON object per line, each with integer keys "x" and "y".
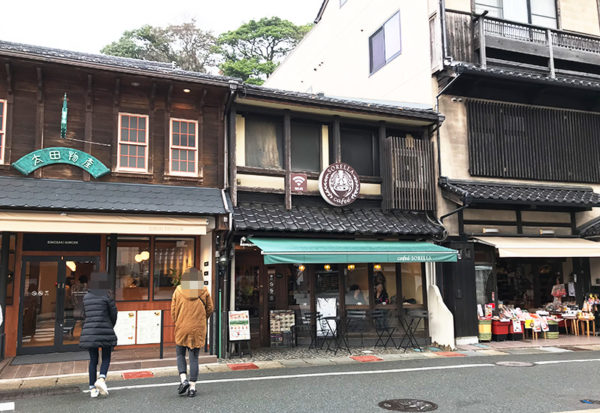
{"x": 385, "y": 44}
{"x": 133, "y": 142}
{"x": 184, "y": 147}
{"x": 2, "y": 129}
{"x": 536, "y": 12}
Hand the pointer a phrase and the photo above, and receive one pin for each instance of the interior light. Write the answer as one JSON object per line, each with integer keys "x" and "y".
{"x": 186, "y": 90}
{"x": 351, "y": 267}
{"x": 71, "y": 265}
{"x": 145, "y": 255}
{"x": 490, "y": 230}
{"x": 377, "y": 267}
{"x": 327, "y": 267}
{"x": 138, "y": 258}
{"x": 546, "y": 232}
{"x": 135, "y": 84}
{"x": 301, "y": 268}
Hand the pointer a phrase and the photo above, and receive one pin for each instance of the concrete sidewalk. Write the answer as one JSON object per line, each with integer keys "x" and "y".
{"x": 123, "y": 367}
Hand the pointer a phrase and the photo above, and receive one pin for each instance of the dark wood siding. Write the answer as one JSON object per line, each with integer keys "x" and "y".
{"x": 95, "y": 97}
{"x": 459, "y": 35}
{"x": 529, "y": 142}
{"x": 409, "y": 181}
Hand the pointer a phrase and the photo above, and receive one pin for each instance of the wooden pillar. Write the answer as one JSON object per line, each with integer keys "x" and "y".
{"x": 200, "y": 143}
{"x": 167, "y": 129}
{"x": 4, "y": 250}
{"x": 384, "y": 168}
{"x": 482, "y": 55}
{"x": 232, "y": 155}
{"x": 112, "y": 259}
{"x": 337, "y": 140}
{"x": 10, "y": 100}
{"x": 39, "y": 116}
{"x": 116, "y": 126}
{"x": 89, "y": 118}
{"x": 550, "y": 53}
{"x": 287, "y": 157}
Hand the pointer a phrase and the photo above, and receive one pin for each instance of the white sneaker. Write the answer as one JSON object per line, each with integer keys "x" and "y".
{"x": 94, "y": 393}
{"x": 101, "y": 387}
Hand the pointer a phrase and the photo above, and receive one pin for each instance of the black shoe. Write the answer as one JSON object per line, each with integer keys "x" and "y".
{"x": 191, "y": 393}
{"x": 183, "y": 387}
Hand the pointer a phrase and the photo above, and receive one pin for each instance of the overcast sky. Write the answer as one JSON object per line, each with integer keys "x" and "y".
{"x": 87, "y": 26}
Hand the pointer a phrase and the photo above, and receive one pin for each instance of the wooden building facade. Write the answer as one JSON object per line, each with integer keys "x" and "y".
{"x": 518, "y": 151}
{"x": 134, "y": 187}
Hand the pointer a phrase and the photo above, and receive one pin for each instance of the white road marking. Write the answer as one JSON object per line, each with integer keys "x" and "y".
{"x": 7, "y": 407}
{"x": 565, "y": 361}
{"x": 298, "y": 376}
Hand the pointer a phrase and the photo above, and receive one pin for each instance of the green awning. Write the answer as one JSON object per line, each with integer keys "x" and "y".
{"x": 326, "y": 251}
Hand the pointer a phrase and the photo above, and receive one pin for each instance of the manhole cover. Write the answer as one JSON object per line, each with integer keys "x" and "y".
{"x": 515, "y": 364}
{"x": 590, "y": 401}
{"x": 408, "y": 405}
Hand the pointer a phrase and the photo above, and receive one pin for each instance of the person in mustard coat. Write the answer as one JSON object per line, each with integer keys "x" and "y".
{"x": 191, "y": 307}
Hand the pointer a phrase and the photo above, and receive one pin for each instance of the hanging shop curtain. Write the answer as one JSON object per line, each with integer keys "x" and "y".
{"x": 513, "y": 247}
{"x": 322, "y": 251}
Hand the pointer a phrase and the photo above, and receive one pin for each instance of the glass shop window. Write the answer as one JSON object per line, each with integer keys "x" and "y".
{"x": 264, "y": 142}
{"x": 306, "y": 146}
{"x": 384, "y": 284}
{"x": 133, "y": 269}
{"x": 412, "y": 283}
{"x": 357, "y": 284}
{"x": 172, "y": 257}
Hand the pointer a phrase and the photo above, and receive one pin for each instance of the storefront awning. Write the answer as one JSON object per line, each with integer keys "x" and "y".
{"x": 323, "y": 251}
{"x": 101, "y": 223}
{"x": 521, "y": 247}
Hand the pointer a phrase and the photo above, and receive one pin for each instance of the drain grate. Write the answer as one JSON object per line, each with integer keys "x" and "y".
{"x": 515, "y": 364}
{"x": 408, "y": 405}
{"x": 590, "y": 401}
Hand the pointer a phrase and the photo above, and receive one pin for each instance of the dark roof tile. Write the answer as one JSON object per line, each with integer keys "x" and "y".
{"x": 332, "y": 220}
{"x": 53, "y": 194}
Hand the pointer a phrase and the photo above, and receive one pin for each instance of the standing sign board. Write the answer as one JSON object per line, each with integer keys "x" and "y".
{"x": 148, "y": 327}
{"x": 125, "y": 328}
{"x": 239, "y": 325}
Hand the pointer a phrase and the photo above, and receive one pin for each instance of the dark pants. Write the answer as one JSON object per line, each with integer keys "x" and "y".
{"x": 181, "y": 364}
{"x": 94, "y": 363}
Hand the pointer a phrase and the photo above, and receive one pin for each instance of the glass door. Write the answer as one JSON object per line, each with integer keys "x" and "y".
{"x": 52, "y": 292}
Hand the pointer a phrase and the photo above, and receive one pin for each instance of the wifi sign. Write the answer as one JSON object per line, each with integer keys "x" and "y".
{"x": 298, "y": 182}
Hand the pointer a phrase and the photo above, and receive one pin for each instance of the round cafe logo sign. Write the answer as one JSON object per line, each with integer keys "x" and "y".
{"x": 339, "y": 184}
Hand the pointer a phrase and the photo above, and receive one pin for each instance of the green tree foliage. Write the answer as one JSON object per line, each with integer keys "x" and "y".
{"x": 188, "y": 46}
{"x": 253, "y": 51}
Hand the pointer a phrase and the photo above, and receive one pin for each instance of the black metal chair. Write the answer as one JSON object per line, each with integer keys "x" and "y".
{"x": 384, "y": 331}
{"x": 308, "y": 323}
{"x": 356, "y": 322}
{"x": 410, "y": 323}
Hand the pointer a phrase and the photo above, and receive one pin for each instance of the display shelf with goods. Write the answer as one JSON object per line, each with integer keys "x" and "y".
{"x": 281, "y": 323}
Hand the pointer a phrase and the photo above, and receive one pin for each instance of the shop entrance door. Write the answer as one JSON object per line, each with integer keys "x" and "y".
{"x": 51, "y": 311}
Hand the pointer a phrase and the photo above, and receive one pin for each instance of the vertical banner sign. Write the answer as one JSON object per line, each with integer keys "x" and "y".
{"x": 63, "y": 118}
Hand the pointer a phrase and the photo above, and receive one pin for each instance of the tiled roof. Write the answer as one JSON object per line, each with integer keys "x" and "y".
{"x": 352, "y": 103}
{"x": 485, "y": 192}
{"x": 63, "y": 195}
{"x": 590, "y": 228}
{"x": 250, "y": 216}
{"x": 159, "y": 68}
{"x": 521, "y": 74}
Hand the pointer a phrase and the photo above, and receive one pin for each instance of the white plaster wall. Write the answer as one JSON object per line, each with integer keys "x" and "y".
{"x": 334, "y": 57}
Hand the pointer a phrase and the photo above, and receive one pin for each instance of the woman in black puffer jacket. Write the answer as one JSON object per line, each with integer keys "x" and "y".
{"x": 100, "y": 315}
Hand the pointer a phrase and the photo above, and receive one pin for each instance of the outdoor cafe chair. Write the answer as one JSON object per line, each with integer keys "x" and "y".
{"x": 384, "y": 331}
{"x": 410, "y": 323}
{"x": 356, "y": 322}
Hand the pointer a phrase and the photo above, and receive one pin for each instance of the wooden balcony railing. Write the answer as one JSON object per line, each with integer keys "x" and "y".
{"x": 470, "y": 35}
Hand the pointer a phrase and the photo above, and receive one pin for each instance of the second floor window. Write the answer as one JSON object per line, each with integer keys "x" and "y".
{"x": 385, "y": 43}
{"x": 360, "y": 150}
{"x": 133, "y": 142}
{"x": 184, "y": 147}
{"x": 264, "y": 142}
{"x": 306, "y": 146}
{"x": 535, "y": 12}
{"x": 2, "y": 129}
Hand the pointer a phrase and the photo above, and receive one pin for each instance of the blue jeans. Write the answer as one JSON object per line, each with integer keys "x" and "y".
{"x": 94, "y": 363}
{"x": 181, "y": 363}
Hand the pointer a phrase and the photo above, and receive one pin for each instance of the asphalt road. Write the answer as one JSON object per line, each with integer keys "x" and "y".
{"x": 557, "y": 382}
